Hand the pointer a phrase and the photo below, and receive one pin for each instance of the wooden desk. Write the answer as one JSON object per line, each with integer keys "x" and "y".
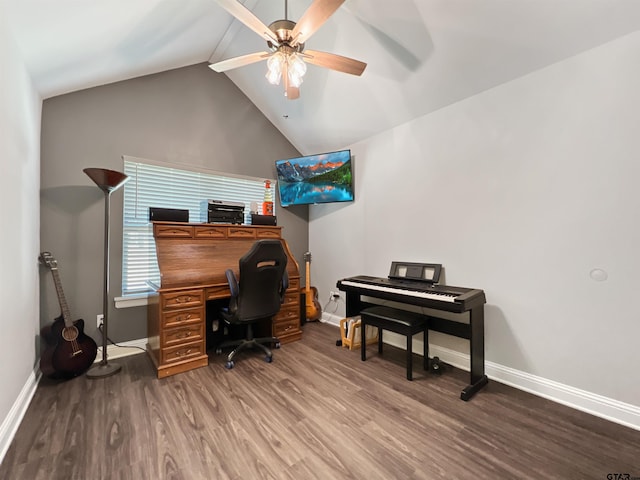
{"x": 192, "y": 259}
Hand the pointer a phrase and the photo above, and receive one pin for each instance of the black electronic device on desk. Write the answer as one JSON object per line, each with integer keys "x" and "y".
{"x": 217, "y": 211}
{"x": 157, "y": 214}
{"x": 417, "y": 284}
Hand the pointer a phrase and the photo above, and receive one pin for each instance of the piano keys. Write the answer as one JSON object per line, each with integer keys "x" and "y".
{"x": 425, "y": 294}
{"x": 416, "y": 291}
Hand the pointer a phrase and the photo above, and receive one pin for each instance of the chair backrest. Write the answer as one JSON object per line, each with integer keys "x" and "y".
{"x": 261, "y": 278}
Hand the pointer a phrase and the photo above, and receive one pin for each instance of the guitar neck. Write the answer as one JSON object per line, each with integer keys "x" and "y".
{"x": 308, "y": 277}
{"x": 61, "y": 300}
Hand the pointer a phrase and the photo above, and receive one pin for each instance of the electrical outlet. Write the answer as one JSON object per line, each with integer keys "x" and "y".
{"x": 99, "y": 320}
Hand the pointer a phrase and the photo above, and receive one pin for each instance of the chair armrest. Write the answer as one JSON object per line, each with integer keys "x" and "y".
{"x": 284, "y": 285}
{"x": 234, "y": 289}
{"x": 233, "y": 282}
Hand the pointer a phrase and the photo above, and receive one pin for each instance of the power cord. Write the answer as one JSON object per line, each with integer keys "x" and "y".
{"x": 119, "y": 346}
{"x": 333, "y": 297}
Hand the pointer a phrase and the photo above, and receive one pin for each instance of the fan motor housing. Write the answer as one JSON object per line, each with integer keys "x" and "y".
{"x": 282, "y": 29}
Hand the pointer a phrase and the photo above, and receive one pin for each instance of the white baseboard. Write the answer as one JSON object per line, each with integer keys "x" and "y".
{"x": 598, "y": 405}
{"x": 12, "y": 421}
{"x": 123, "y": 350}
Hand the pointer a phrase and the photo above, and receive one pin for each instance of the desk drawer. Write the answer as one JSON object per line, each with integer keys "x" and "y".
{"x": 283, "y": 327}
{"x": 240, "y": 232}
{"x": 173, "y": 231}
{"x": 188, "y": 333}
{"x": 180, "y": 353}
{"x": 180, "y": 318}
{"x": 294, "y": 284}
{"x": 291, "y": 312}
{"x": 210, "y": 231}
{"x": 291, "y": 298}
{"x": 187, "y": 298}
{"x": 220, "y": 291}
{"x": 268, "y": 233}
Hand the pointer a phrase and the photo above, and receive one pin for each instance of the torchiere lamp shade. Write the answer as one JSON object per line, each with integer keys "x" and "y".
{"x": 107, "y": 180}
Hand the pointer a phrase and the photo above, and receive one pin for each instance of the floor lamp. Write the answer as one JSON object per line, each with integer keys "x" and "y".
{"x": 108, "y": 181}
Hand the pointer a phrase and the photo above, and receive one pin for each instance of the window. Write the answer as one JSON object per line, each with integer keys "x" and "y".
{"x": 154, "y": 184}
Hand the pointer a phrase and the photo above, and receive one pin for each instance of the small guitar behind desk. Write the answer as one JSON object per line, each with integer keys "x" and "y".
{"x": 417, "y": 284}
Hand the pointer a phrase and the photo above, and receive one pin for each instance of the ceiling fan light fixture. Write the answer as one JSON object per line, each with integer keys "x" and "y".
{"x": 274, "y": 68}
{"x": 296, "y": 69}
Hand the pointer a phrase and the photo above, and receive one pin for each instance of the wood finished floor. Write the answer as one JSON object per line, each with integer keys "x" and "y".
{"x": 316, "y": 412}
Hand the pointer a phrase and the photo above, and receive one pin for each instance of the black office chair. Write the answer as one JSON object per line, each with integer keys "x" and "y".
{"x": 257, "y": 296}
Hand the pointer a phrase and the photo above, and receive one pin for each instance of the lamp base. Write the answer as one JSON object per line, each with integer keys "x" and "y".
{"x": 103, "y": 370}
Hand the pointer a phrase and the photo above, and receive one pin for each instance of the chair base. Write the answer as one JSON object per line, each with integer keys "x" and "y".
{"x": 248, "y": 342}
{"x": 252, "y": 343}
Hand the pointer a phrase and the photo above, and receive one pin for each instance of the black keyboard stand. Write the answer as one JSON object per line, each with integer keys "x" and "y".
{"x": 473, "y": 331}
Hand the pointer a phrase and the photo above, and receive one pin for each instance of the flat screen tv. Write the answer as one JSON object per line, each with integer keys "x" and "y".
{"x": 321, "y": 178}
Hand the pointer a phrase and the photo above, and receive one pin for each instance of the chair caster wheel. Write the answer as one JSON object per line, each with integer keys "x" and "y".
{"x": 277, "y": 345}
{"x": 268, "y": 359}
{"x": 218, "y": 351}
{"x": 229, "y": 365}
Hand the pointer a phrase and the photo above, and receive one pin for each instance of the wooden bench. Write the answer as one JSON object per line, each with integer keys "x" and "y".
{"x": 398, "y": 321}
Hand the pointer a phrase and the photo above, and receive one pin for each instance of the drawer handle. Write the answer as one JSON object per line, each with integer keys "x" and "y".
{"x": 184, "y": 335}
{"x": 183, "y": 299}
{"x": 183, "y": 353}
{"x": 181, "y": 318}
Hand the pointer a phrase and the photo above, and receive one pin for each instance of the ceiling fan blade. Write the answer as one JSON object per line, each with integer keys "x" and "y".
{"x": 334, "y": 62}
{"x": 247, "y": 17}
{"x": 313, "y": 19}
{"x": 292, "y": 92}
{"x": 236, "y": 62}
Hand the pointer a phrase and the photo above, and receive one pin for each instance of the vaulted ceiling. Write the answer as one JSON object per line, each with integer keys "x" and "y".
{"x": 422, "y": 54}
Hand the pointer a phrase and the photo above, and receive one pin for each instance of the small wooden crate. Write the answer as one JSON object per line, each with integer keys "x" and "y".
{"x": 351, "y": 335}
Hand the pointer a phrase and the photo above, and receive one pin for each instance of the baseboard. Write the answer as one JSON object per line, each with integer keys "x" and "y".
{"x": 12, "y": 421}
{"x": 598, "y": 405}
{"x": 123, "y": 349}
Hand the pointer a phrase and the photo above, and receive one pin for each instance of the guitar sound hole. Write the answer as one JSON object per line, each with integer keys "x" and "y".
{"x": 70, "y": 333}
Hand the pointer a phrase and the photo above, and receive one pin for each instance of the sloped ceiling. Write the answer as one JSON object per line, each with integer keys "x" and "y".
{"x": 421, "y": 54}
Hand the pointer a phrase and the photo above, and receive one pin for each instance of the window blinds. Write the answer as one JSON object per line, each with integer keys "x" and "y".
{"x": 157, "y": 185}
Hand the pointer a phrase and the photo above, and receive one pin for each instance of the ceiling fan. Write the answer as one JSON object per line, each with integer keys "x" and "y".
{"x": 287, "y": 56}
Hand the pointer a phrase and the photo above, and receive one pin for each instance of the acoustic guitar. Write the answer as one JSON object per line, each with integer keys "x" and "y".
{"x": 68, "y": 352}
{"x": 313, "y": 310}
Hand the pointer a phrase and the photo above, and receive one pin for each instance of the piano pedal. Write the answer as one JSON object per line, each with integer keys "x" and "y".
{"x": 436, "y": 366}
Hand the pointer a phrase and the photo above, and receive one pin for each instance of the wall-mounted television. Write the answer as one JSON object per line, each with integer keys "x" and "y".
{"x": 321, "y": 178}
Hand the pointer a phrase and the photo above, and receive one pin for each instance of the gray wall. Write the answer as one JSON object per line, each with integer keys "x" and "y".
{"x": 526, "y": 191}
{"x": 189, "y": 116}
{"x": 20, "y": 163}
